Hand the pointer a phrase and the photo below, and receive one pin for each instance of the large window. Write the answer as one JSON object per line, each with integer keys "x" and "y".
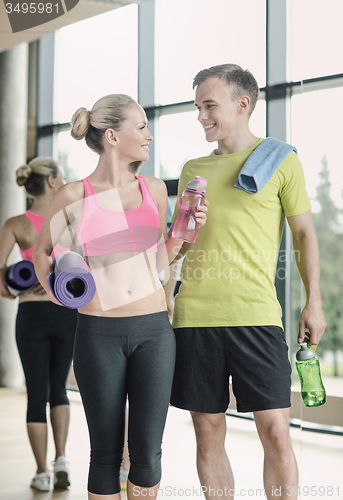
{"x": 316, "y": 38}
{"x": 316, "y": 131}
{"x": 94, "y": 58}
{"x": 194, "y": 35}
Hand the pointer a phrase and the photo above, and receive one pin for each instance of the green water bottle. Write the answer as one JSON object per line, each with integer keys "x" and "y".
{"x": 312, "y": 388}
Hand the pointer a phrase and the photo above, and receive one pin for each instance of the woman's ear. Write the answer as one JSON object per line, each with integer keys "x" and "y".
{"x": 111, "y": 136}
{"x": 50, "y": 181}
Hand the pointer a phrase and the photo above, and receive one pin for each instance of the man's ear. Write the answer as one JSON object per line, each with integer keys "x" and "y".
{"x": 244, "y": 103}
{"x": 111, "y": 136}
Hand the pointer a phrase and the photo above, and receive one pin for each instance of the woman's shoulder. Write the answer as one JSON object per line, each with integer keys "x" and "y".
{"x": 69, "y": 197}
{"x": 158, "y": 189}
{"x": 72, "y": 189}
{"x": 16, "y": 222}
{"x": 155, "y": 184}
{"x": 16, "y": 226}
{"x": 70, "y": 192}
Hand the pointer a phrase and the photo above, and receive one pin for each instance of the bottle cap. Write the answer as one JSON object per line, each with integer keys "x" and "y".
{"x": 305, "y": 352}
{"x": 198, "y": 184}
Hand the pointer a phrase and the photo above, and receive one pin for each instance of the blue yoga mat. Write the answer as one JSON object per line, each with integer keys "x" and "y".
{"x": 71, "y": 281}
{"x": 20, "y": 277}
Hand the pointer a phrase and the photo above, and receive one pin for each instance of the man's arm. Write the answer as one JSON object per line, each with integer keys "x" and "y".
{"x": 307, "y": 258}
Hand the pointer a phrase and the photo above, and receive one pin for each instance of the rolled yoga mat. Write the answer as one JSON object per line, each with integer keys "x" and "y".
{"x": 20, "y": 277}
{"x": 71, "y": 281}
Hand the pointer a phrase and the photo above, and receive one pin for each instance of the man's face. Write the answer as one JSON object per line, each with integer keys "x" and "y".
{"x": 218, "y": 111}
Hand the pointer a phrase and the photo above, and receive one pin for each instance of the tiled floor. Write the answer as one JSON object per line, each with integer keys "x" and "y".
{"x": 320, "y": 457}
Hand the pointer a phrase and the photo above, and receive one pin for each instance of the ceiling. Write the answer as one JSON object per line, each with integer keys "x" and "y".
{"x": 83, "y": 10}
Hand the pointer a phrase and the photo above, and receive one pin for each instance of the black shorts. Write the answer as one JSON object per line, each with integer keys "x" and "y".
{"x": 255, "y": 356}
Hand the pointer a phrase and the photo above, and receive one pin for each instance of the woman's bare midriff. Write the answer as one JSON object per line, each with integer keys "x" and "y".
{"x": 32, "y": 297}
{"x": 126, "y": 285}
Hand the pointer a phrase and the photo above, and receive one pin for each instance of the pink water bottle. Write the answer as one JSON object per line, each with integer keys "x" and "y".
{"x": 186, "y": 227}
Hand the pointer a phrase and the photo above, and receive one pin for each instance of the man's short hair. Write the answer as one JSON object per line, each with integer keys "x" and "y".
{"x": 243, "y": 82}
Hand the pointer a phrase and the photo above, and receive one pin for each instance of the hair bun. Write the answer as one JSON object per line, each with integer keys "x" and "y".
{"x": 23, "y": 173}
{"x": 80, "y": 122}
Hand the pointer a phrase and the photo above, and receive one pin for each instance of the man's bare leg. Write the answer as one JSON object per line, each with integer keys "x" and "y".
{"x": 213, "y": 465}
{"x": 280, "y": 468}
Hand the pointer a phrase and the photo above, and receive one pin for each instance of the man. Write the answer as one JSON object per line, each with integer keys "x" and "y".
{"x": 227, "y": 319}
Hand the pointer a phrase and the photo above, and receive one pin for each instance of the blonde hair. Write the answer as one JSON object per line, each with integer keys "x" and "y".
{"x": 108, "y": 112}
{"x": 33, "y": 175}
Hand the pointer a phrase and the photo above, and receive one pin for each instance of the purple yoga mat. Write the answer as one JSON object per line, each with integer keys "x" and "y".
{"x": 71, "y": 281}
{"x": 20, "y": 277}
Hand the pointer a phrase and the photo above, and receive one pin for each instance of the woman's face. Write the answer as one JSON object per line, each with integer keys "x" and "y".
{"x": 134, "y": 136}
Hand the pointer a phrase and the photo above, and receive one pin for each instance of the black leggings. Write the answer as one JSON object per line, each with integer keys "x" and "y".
{"x": 45, "y": 339}
{"x": 113, "y": 358}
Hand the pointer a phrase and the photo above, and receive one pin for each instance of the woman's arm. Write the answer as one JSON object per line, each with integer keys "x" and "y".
{"x": 7, "y": 242}
{"x": 54, "y": 225}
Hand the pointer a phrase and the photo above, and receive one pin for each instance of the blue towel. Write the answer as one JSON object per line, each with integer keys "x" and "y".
{"x": 261, "y": 164}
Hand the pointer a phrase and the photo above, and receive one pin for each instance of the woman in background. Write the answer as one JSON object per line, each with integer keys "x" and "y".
{"x": 44, "y": 331}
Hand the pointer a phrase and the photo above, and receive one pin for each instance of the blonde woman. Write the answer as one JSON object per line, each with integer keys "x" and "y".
{"x": 44, "y": 331}
{"x": 124, "y": 346}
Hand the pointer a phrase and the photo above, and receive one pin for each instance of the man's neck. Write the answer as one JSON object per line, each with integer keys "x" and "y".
{"x": 236, "y": 144}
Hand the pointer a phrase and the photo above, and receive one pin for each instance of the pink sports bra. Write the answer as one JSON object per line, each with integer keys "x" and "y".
{"x": 37, "y": 221}
{"x": 103, "y": 232}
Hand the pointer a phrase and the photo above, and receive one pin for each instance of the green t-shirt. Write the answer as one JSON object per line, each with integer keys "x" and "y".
{"x": 228, "y": 274}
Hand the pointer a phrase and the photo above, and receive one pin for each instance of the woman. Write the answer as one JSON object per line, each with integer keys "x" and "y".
{"x": 124, "y": 343}
{"x": 44, "y": 331}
